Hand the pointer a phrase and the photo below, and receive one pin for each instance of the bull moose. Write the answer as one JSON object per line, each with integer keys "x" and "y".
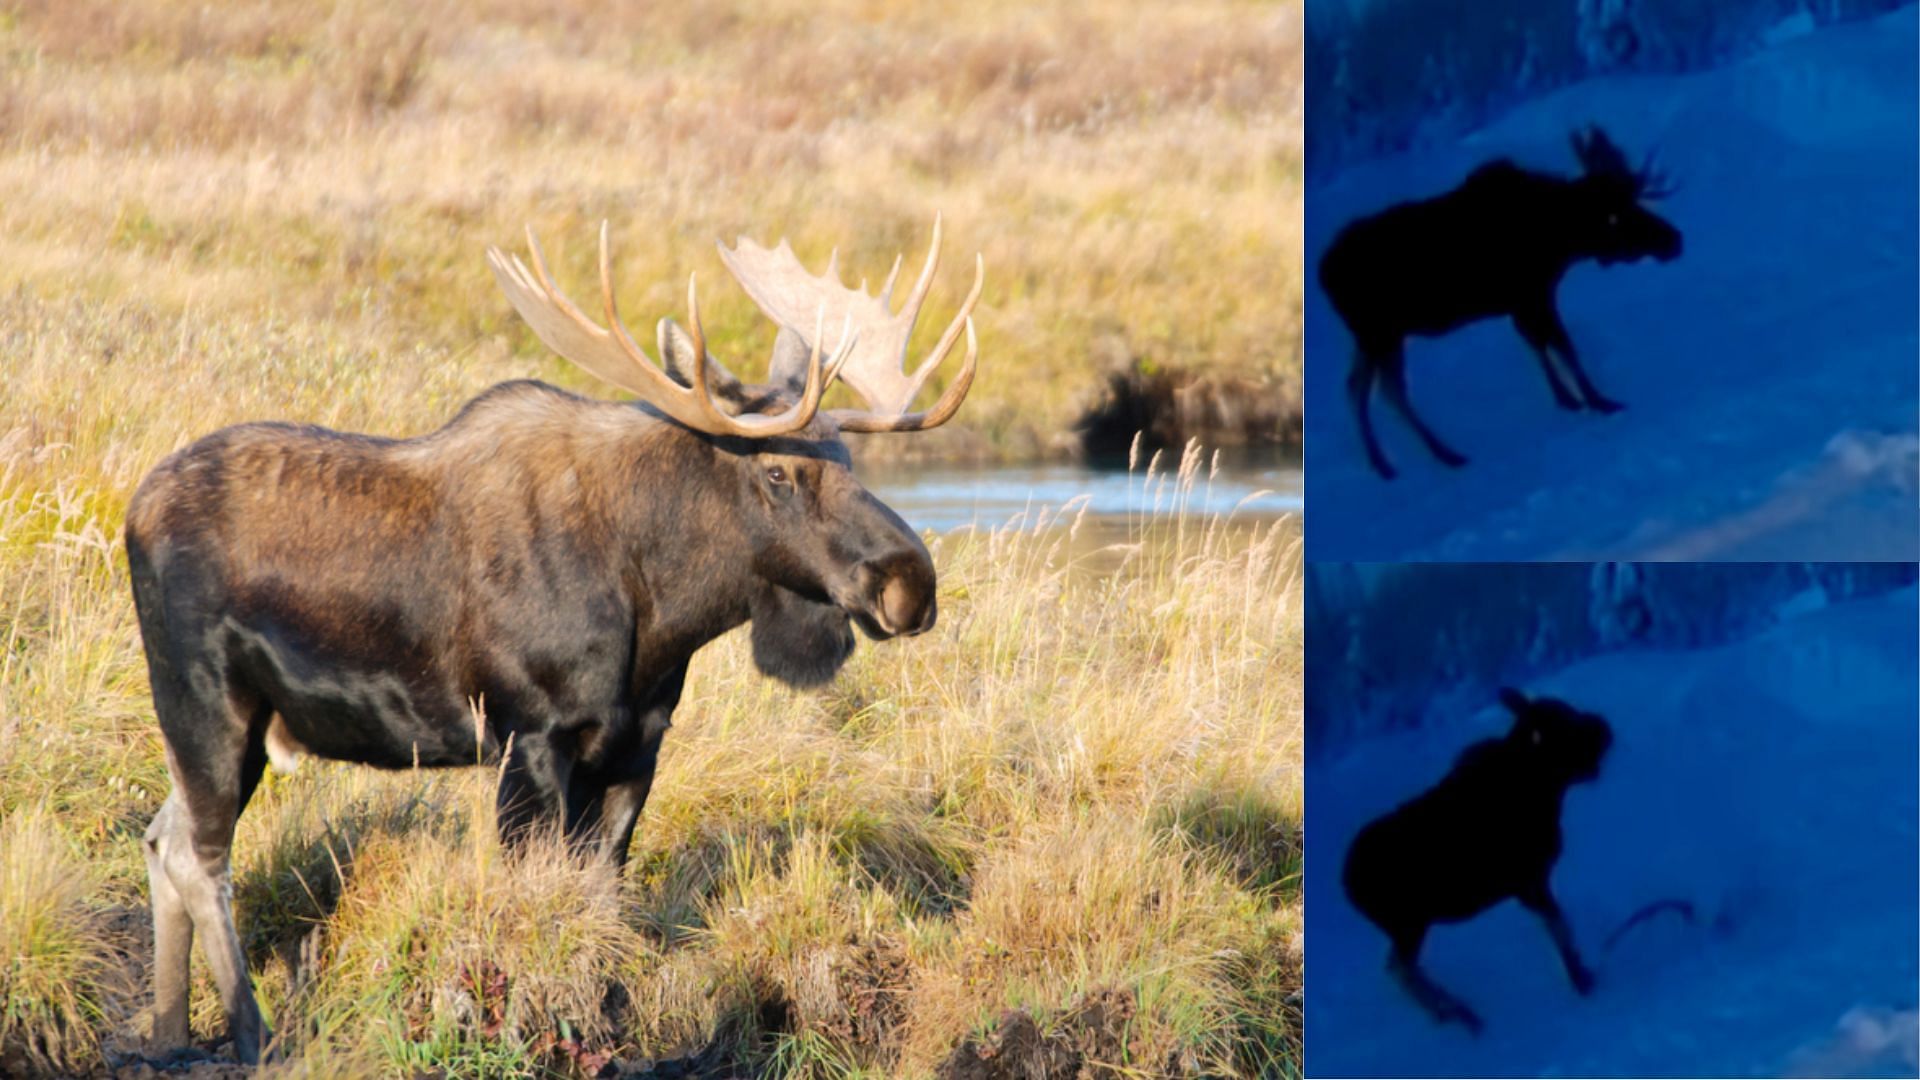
{"x": 1497, "y": 245}
{"x": 1487, "y": 832}
{"x": 556, "y": 557}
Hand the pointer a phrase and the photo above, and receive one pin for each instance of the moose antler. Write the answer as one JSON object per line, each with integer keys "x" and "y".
{"x": 876, "y": 368}
{"x": 1600, "y": 157}
{"x": 613, "y": 356}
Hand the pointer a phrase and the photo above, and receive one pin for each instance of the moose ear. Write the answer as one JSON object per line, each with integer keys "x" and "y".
{"x": 1515, "y": 701}
{"x": 788, "y": 369}
{"x": 676, "y": 356}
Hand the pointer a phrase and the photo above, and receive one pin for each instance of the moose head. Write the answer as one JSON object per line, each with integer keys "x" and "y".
{"x": 1566, "y": 744}
{"x": 1618, "y": 227}
{"x": 823, "y": 550}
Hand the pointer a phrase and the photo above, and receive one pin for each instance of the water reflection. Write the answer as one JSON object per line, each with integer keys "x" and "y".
{"x": 1254, "y": 486}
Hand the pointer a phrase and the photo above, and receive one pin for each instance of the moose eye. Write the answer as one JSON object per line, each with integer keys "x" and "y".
{"x": 776, "y": 474}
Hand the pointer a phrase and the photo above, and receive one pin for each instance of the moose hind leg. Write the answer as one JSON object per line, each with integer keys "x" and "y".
{"x": 190, "y": 846}
{"x": 172, "y": 934}
{"x": 1404, "y": 965}
{"x": 1393, "y": 383}
{"x": 1359, "y": 390}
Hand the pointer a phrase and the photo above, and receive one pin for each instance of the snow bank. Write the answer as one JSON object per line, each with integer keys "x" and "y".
{"x": 1395, "y": 647}
{"x": 1386, "y": 75}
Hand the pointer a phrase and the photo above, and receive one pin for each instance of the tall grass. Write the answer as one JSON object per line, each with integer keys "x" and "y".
{"x": 62, "y": 979}
{"x": 1083, "y": 787}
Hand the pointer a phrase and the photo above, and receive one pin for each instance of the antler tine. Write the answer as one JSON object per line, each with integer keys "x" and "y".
{"x": 1653, "y": 184}
{"x": 886, "y": 290}
{"x": 942, "y": 411}
{"x": 910, "y": 311}
{"x": 614, "y": 324}
{"x": 788, "y": 293}
{"x": 809, "y": 402}
{"x": 848, "y": 337}
{"x": 945, "y": 345}
{"x": 697, "y": 377}
{"x": 611, "y": 353}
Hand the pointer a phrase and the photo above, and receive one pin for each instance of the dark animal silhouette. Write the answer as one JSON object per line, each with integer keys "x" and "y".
{"x": 1487, "y": 832}
{"x": 1497, "y": 245}
{"x": 554, "y": 558}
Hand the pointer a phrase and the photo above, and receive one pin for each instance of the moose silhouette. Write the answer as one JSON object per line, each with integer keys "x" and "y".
{"x": 1489, "y": 831}
{"x": 1497, "y": 245}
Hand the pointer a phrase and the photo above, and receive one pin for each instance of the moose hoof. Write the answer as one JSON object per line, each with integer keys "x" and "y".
{"x": 1452, "y": 460}
{"x": 1604, "y": 405}
{"x": 1582, "y": 981}
{"x": 1471, "y": 1021}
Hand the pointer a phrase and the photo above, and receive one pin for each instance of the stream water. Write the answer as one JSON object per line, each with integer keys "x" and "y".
{"x": 1254, "y": 486}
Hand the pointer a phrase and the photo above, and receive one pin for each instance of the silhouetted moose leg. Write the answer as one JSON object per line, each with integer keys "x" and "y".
{"x": 1404, "y": 965}
{"x": 1556, "y": 333}
{"x": 1540, "y": 901}
{"x": 1393, "y": 383}
{"x": 1541, "y": 338}
{"x": 1359, "y": 389}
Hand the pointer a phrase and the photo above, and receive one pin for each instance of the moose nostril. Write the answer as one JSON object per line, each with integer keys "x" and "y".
{"x": 902, "y": 607}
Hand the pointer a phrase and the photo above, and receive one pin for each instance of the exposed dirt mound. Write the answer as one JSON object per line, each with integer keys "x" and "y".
{"x": 1089, "y": 1040}
{"x": 1170, "y": 407}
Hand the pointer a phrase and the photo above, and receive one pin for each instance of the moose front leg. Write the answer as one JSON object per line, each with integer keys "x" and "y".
{"x": 601, "y": 819}
{"x": 1555, "y": 334}
{"x": 533, "y": 787}
{"x": 1540, "y": 338}
{"x": 1540, "y": 901}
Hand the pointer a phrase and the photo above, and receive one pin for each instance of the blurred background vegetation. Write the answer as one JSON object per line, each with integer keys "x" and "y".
{"x": 264, "y": 178}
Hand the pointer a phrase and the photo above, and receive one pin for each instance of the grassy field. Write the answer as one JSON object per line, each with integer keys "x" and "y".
{"x": 1063, "y": 830}
{"x": 296, "y": 197}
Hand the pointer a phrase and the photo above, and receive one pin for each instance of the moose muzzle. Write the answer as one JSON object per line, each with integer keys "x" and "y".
{"x": 898, "y": 595}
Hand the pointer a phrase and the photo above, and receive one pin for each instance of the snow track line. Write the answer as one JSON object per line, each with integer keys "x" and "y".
{"x": 1683, "y": 907}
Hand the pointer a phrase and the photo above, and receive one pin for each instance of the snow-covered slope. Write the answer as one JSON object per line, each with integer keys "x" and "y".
{"x": 1393, "y": 646}
{"x": 1770, "y": 782}
{"x": 1383, "y": 75}
{"x": 1769, "y": 374}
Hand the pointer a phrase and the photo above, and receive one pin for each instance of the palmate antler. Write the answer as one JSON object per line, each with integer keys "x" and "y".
{"x": 612, "y": 354}
{"x": 1600, "y": 157}
{"x": 787, "y": 293}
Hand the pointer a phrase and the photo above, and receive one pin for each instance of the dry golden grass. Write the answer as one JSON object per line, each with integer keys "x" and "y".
{"x": 296, "y": 194}
{"x": 1086, "y": 782}
{"x": 1082, "y": 788}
